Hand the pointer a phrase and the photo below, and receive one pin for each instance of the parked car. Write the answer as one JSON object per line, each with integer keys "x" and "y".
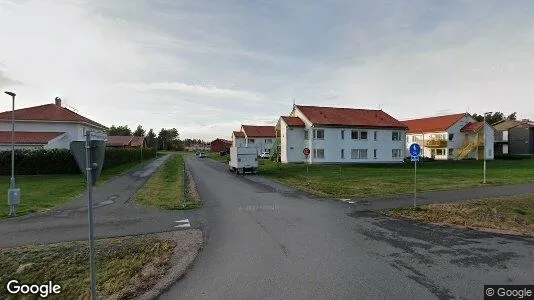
{"x": 265, "y": 154}
{"x": 201, "y": 155}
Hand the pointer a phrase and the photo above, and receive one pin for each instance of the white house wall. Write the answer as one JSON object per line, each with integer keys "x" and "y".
{"x": 292, "y": 143}
{"x": 261, "y": 143}
{"x": 238, "y": 142}
{"x": 74, "y": 131}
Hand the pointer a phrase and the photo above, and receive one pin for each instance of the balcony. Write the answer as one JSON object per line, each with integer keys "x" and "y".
{"x": 436, "y": 143}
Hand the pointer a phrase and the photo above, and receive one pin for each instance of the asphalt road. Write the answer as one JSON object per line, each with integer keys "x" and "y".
{"x": 268, "y": 241}
{"x": 114, "y": 215}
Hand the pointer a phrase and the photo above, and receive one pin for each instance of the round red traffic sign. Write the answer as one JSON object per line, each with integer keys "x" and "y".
{"x": 306, "y": 151}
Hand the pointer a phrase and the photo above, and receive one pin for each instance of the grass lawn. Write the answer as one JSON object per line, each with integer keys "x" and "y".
{"x": 132, "y": 263}
{"x": 41, "y": 192}
{"x": 505, "y": 214}
{"x": 167, "y": 188}
{"x": 370, "y": 180}
{"x": 216, "y": 156}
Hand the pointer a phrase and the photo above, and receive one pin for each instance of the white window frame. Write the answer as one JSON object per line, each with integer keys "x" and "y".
{"x": 342, "y": 134}
{"x": 359, "y": 154}
{"x": 342, "y": 153}
{"x": 315, "y": 134}
{"x": 375, "y": 153}
{"x": 375, "y": 135}
{"x": 316, "y": 152}
{"x": 352, "y": 134}
{"x": 398, "y": 136}
{"x": 393, "y": 151}
{"x": 306, "y": 134}
{"x": 366, "y": 133}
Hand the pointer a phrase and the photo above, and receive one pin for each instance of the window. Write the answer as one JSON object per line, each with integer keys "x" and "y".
{"x": 358, "y": 153}
{"x": 440, "y": 151}
{"x": 318, "y": 134}
{"x": 363, "y": 135}
{"x": 318, "y": 153}
{"x": 451, "y": 136}
{"x": 376, "y": 134}
{"x": 374, "y": 153}
{"x": 354, "y": 134}
{"x": 251, "y": 141}
{"x": 342, "y": 134}
{"x": 396, "y": 153}
{"x": 306, "y": 137}
{"x": 268, "y": 141}
{"x": 395, "y": 136}
{"x": 451, "y": 150}
{"x": 342, "y": 153}
{"x": 413, "y": 138}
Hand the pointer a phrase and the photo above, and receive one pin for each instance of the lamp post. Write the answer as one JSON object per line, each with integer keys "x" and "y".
{"x": 484, "y": 132}
{"x": 13, "y": 193}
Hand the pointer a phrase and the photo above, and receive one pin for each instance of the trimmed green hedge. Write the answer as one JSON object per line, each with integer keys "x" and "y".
{"x": 61, "y": 161}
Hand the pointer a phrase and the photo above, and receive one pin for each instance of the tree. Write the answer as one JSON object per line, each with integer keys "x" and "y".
{"x": 139, "y": 131}
{"x": 512, "y": 117}
{"x": 119, "y": 130}
{"x": 151, "y": 139}
{"x": 491, "y": 118}
{"x": 168, "y": 139}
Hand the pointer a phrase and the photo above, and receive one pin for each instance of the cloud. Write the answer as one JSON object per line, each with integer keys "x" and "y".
{"x": 194, "y": 89}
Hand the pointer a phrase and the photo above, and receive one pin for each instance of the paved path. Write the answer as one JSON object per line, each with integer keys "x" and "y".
{"x": 114, "y": 215}
{"x": 268, "y": 241}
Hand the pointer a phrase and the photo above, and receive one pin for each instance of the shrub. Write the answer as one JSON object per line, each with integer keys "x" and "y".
{"x": 61, "y": 161}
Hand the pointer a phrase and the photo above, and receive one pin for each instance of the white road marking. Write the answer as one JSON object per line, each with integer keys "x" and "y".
{"x": 185, "y": 224}
{"x": 344, "y": 199}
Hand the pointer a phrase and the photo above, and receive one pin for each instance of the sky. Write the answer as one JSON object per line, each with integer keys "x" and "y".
{"x": 206, "y": 67}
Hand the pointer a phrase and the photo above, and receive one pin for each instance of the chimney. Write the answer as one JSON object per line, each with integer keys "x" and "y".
{"x": 58, "y": 101}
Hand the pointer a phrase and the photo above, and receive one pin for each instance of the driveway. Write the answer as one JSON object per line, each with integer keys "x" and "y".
{"x": 114, "y": 215}
{"x": 268, "y": 241}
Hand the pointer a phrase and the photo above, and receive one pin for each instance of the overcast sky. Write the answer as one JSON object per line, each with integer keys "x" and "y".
{"x": 205, "y": 67}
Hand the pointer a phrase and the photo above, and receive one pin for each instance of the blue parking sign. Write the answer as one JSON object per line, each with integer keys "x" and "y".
{"x": 415, "y": 149}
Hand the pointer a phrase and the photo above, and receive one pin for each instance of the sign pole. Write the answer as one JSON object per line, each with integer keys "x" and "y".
{"x": 415, "y": 186}
{"x": 88, "y": 170}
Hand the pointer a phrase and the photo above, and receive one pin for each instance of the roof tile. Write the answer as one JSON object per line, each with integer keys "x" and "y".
{"x": 293, "y": 121}
{"x": 28, "y": 138}
{"x": 335, "y": 116}
{"x": 432, "y": 124}
{"x": 48, "y": 112}
{"x": 259, "y": 131}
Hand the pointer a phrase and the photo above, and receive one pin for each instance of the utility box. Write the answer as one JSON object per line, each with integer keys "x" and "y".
{"x": 13, "y": 196}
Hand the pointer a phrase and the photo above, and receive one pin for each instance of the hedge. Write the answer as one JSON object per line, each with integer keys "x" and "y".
{"x": 61, "y": 161}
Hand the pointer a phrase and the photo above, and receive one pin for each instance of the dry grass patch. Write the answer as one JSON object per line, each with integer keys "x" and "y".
{"x": 126, "y": 267}
{"x": 509, "y": 214}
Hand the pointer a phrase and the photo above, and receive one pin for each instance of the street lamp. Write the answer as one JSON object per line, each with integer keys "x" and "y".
{"x": 485, "y": 150}
{"x": 13, "y": 193}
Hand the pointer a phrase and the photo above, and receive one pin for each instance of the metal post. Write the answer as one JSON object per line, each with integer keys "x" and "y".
{"x": 308, "y": 172}
{"x": 12, "y": 207}
{"x": 484, "y": 148}
{"x": 90, "y": 214}
{"x": 415, "y": 186}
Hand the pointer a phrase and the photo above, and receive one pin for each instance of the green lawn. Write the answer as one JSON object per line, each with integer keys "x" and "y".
{"x": 216, "y": 156}
{"x": 41, "y": 192}
{"x": 359, "y": 181}
{"x": 507, "y": 214}
{"x": 125, "y": 267}
{"x": 167, "y": 188}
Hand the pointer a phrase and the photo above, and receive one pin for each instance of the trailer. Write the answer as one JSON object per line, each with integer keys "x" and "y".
{"x": 243, "y": 160}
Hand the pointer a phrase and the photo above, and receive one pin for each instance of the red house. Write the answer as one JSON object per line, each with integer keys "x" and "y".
{"x": 219, "y": 145}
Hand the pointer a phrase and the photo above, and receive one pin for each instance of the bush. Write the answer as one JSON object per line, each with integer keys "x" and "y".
{"x": 61, "y": 161}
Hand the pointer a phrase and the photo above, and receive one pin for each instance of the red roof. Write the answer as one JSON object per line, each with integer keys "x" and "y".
{"x": 472, "y": 127}
{"x": 28, "y": 138}
{"x": 47, "y": 112}
{"x": 259, "y": 131}
{"x": 137, "y": 141}
{"x": 335, "y": 116}
{"x": 293, "y": 121}
{"x": 239, "y": 134}
{"x": 433, "y": 124}
{"x": 125, "y": 140}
